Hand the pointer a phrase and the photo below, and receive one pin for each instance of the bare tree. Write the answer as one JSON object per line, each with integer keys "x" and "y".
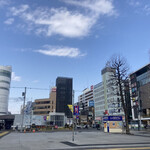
{"x": 120, "y": 77}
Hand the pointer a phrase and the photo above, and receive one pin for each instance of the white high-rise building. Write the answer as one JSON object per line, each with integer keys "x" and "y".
{"x": 84, "y": 98}
{"x": 5, "y": 79}
{"x": 107, "y": 102}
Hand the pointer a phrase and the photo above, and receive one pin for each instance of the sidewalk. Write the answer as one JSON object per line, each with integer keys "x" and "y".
{"x": 144, "y": 132}
{"x": 3, "y": 133}
{"x": 63, "y": 140}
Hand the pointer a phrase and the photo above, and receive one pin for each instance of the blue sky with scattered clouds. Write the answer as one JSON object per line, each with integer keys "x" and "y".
{"x": 44, "y": 39}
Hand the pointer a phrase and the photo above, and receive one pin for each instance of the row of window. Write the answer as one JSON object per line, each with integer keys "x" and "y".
{"x": 43, "y": 107}
{"x": 41, "y": 112}
{"x": 4, "y": 88}
{"x": 99, "y": 94}
{"x": 5, "y": 73}
{"x": 99, "y": 99}
{"x": 99, "y": 113}
{"x": 100, "y": 103}
{"x": 44, "y": 102}
{"x": 100, "y": 107}
{"x": 57, "y": 117}
{"x": 3, "y": 81}
{"x": 99, "y": 89}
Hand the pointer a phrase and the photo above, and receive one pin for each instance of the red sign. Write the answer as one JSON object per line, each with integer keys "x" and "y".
{"x": 106, "y": 112}
{"x": 53, "y": 89}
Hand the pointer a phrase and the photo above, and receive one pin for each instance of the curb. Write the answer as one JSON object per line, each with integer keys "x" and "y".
{"x": 4, "y": 134}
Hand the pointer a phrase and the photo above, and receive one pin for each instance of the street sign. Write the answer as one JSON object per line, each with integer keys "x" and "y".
{"x": 105, "y": 118}
{"x": 76, "y": 110}
{"x": 112, "y": 118}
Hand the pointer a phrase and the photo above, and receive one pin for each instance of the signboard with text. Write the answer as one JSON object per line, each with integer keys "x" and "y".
{"x": 91, "y": 103}
{"x": 112, "y": 118}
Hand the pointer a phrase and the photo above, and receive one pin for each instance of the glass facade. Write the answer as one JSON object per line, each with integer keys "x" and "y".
{"x": 140, "y": 87}
{"x": 144, "y": 78}
{"x": 64, "y": 95}
{"x": 57, "y": 120}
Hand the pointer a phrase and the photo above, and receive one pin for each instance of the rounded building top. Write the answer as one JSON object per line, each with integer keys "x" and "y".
{"x": 8, "y": 68}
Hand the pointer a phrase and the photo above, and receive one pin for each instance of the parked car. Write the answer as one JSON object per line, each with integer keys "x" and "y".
{"x": 85, "y": 126}
{"x": 78, "y": 126}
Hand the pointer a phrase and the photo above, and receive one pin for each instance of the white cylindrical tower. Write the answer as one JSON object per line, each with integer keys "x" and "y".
{"x": 5, "y": 79}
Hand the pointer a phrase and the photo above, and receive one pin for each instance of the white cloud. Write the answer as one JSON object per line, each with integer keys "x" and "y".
{"x": 9, "y": 21}
{"x": 57, "y": 21}
{"x": 146, "y": 9}
{"x": 60, "y": 21}
{"x": 17, "y": 11}
{"x": 100, "y": 7}
{"x": 140, "y": 7}
{"x": 60, "y": 51}
{"x": 35, "y": 81}
{"x": 14, "y": 77}
{"x": 134, "y": 3}
{"x": 4, "y": 2}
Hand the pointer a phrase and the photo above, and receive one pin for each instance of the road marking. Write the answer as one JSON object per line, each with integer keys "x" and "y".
{"x": 124, "y": 148}
{"x": 3, "y": 133}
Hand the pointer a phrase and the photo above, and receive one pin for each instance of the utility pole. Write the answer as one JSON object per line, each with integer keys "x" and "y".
{"x": 73, "y": 115}
{"x": 24, "y": 98}
{"x": 139, "y": 110}
{"x": 73, "y": 128}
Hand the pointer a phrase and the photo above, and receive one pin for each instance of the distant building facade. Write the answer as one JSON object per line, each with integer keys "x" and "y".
{"x": 85, "y": 98}
{"x": 29, "y": 108}
{"x": 98, "y": 94}
{"x": 140, "y": 93}
{"x": 46, "y": 105}
{"x": 86, "y": 105}
{"x": 5, "y": 79}
{"x": 64, "y": 95}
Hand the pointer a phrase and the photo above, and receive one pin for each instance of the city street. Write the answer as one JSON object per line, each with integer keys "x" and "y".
{"x": 83, "y": 140}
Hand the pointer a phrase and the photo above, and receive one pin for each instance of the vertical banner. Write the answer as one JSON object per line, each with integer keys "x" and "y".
{"x": 71, "y": 108}
{"x": 76, "y": 110}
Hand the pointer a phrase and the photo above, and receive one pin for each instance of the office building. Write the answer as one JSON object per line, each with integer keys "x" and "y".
{"x": 98, "y": 94}
{"x": 64, "y": 95}
{"x": 46, "y": 105}
{"x": 86, "y": 105}
{"x": 85, "y": 98}
{"x": 140, "y": 94}
{"x": 106, "y": 100}
{"x": 5, "y": 79}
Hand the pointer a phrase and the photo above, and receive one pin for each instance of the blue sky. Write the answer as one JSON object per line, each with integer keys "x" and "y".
{"x": 70, "y": 38}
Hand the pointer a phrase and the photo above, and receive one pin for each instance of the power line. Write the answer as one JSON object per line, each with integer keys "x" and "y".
{"x": 33, "y": 88}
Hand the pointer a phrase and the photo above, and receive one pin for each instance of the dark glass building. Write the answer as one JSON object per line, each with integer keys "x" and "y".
{"x": 64, "y": 95}
{"x": 140, "y": 92}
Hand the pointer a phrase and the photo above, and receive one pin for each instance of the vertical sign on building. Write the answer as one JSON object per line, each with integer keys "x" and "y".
{"x": 76, "y": 110}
